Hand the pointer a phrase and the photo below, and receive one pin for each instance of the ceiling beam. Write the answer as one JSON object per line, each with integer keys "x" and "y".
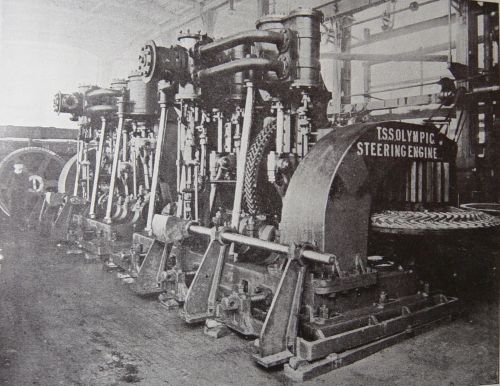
{"x": 194, "y": 3}
{"x": 337, "y": 8}
{"x": 405, "y": 30}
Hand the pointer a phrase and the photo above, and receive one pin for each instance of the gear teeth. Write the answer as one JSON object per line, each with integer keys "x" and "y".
{"x": 439, "y": 221}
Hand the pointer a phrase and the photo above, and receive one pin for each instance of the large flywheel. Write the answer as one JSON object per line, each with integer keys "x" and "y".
{"x": 42, "y": 167}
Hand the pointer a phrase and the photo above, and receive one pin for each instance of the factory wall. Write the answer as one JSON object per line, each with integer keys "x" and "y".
{"x": 31, "y": 73}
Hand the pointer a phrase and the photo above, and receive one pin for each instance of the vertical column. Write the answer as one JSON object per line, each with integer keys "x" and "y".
{"x": 467, "y": 55}
{"x": 159, "y": 146}
{"x": 98, "y": 166}
{"x": 367, "y": 72}
{"x": 116, "y": 160}
{"x": 86, "y": 171}
{"x": 79, "y": 151}
{"x": 345, "y": 46}
{"x": 491, "y": 172}
{"x": 262, "y": 8}
{"x": 336, "y": 68}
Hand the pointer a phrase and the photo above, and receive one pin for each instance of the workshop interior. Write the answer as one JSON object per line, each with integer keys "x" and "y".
{"x": 278, "y": 191}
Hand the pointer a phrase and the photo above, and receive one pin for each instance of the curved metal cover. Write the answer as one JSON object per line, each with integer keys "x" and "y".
{"x": 336, "y": 218}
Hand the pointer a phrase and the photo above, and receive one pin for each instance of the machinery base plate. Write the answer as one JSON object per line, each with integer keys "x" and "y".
{"x": 307, "y": 370}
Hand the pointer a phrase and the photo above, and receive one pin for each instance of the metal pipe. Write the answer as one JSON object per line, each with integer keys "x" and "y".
{"x": 237, "y": 238}
{"x": 124, "y": 147}
{"x": 396, "y": 88}
{"x": 156, "y": 167}
{"x": 242, "y": 156}
{"x": 450, "y": 42}
{"x": 416, "y": 82}
{"x": 401, "y": 57}
{"x": 245, "y": 37}
{"x": 479, "y": 90}
{"x": 180, "y": 195}
{"x": 280, "y": 127}
{"x": 86, "y": 173}
{"x": 145, "y": 168}
{"x": 178, "y": 154}
{"x": 220, "y": 133}
{"x": 133, "y": 156}
{"x": 238, "y": 65}
{"x": 102, "y": 92}
{"x": 195, "y": 187}
{"x": 406, "y": 30}
{"x": 97, "y": 171}
{"x": 116, "y": 160}
{"x": 389, "y": 13}
{"x": 200, "y": 230}
{"x": 101, "y": 109}
{"x": 78, "y": 166}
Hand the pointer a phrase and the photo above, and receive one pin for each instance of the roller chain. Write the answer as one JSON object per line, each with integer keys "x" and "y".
{"x": 254, "y": 159}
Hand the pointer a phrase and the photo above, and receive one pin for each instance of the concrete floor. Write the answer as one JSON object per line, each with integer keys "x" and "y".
{"x": 65, "y": 321}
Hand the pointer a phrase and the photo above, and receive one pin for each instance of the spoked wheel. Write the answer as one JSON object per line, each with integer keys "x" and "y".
{"x": 66, "y": 181}
{"x": 42, "y": 167}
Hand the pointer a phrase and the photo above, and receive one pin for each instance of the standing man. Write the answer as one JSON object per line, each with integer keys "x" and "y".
{"x": 18, "y": 196}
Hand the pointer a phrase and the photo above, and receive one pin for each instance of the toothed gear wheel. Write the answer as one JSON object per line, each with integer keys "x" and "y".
{"x": 417, "y": 222}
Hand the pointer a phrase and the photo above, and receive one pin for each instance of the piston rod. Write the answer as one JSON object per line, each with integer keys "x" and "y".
{"x": 237, "y": 238}
{"x": 245, "y": 37}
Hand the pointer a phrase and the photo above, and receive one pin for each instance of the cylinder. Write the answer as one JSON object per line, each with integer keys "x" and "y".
{"x": 142, "y": 96}
{"x": 306, "y": 23}
{"x": 68, "y": 103}
{"x": 269, "y": 23}
{"x": 84, "y": 88}
{"x": 237, "y": 85}
{"x": 118, "y": 84}
{"x": 157, "y": 63}
{"x": 102, "y": 93}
